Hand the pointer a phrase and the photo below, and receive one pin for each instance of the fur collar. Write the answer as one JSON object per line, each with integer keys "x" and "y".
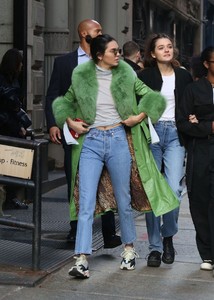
{"x": 85, "y": 86}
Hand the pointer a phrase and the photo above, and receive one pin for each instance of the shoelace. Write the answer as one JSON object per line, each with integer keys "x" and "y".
{"x": 129, "y": 254}
{"x": 80, "y": 259}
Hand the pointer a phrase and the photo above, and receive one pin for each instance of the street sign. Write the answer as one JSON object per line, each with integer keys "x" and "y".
{"x": 15, "y": 161}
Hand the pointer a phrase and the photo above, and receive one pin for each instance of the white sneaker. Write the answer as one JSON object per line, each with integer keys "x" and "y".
{"x": 207, "y": 265}
{"x": 128, "y": 262}
{"x": 80, "y": 269}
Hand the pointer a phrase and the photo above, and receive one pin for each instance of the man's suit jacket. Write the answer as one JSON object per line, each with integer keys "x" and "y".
{"x": 60, "y": 82}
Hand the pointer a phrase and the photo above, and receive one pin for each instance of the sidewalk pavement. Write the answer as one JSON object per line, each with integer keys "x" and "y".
{"x": 179, "y": 281}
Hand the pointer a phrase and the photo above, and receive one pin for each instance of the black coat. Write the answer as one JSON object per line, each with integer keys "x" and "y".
{"x": 9, "y": 107}
{"x": 60, "y": 82}
{"x": 198, "y": 100}
{"x": 152, "y": 77}
{"x": 134, "y": 66}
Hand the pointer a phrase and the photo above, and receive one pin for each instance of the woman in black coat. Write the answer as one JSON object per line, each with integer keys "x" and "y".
{"x": 13, "y": 120}
{"x": 161, "y": 74}
{"x": 196, "y": 121}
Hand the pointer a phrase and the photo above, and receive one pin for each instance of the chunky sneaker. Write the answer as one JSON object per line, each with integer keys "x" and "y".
{"x": 154, "y": 259}
{"x": 80, "y": 269}
{"x": 168, "y": 256}
{"x": 128, "y": 262}
{"x": 207, "y": 265}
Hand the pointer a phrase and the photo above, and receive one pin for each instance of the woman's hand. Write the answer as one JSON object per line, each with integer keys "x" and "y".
{"x": 79, "y": 127}
{"x": 193, "y": 119}
{"x": 133, "y": 120}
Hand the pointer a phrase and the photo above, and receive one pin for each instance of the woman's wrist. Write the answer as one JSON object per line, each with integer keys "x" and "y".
{"x": 141, "y": 116}
{"x": 69, "y": 122}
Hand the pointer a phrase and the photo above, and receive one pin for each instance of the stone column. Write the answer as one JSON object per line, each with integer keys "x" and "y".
{"x": 82, "y": 10}
{"x": 109, "y": 24}
{"x": 116, "y": 19}
{"x": 56, "y": 32}
{"x": 6, "y": 26}
{"x": 56, "y": 35}
{"x": 56, "y": 14}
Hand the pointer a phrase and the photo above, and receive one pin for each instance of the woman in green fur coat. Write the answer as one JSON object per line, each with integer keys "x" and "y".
{"x": 102, "y": 94}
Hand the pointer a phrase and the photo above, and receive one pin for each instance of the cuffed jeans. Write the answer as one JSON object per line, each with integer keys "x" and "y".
{"x": 171, "y": 154}
{"x": 109, "y": 148}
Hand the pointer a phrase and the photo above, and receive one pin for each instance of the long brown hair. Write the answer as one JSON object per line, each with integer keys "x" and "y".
{"x": 150, "y": 61}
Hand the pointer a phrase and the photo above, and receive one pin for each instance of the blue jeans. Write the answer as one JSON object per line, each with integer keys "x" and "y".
{"x": 169, "y": 154}
{"x": 109, "y": 148}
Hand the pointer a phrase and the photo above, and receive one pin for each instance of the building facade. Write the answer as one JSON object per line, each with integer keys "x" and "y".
{"x": 47, "y": 28}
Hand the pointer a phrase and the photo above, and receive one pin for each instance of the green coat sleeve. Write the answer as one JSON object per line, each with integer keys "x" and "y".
{"x": 64, "y": 107}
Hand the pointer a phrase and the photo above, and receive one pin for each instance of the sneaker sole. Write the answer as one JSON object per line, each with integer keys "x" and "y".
{"x": 127, "y": 269}
{"x": 74, "y": 272}
{"x": 204, "y": 269}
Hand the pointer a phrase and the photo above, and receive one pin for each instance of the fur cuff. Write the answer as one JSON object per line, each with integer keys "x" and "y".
{"x": 153, "y": 104}
{"x": 61, "y": 111}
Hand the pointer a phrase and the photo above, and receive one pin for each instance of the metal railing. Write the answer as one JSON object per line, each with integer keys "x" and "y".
{"x": 35, "y": 183}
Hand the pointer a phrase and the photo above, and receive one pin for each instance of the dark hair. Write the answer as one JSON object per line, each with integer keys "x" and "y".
{"x": 10, "y": 64}
{"x": 150, "y": 47}
{"x": 206, "y": 54}
{"x": 197, "y": 68}
{"x": 99, "y": 44}
{"x": 130, "y": 48}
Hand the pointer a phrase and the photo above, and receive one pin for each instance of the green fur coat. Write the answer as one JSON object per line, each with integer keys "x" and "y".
{"x": 80, "y": 102}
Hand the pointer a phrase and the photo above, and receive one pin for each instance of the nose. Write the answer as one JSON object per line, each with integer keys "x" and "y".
{"x": 117, "y": 51}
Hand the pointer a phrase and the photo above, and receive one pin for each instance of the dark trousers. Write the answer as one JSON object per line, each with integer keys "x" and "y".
{"x": 67, "y": 166}
{"x": 201, "y": 196}
{"x": 108, "y": 219}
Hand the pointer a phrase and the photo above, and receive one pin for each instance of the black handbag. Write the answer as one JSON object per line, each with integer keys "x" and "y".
{"x": 23, "y": 118}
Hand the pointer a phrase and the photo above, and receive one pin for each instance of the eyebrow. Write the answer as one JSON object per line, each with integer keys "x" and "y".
{"x": 170, "y": 44}
{"x": 115, "y": 49}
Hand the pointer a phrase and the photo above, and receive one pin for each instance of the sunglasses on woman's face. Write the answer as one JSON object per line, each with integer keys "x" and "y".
{"x": 115, "y": 51}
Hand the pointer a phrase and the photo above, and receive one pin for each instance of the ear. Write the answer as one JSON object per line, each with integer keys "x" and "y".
{"x": 83, "y": 33}
{"x": 99, "y": 56}
{"x": 138, "y": 55}
{"x": 153, "y": 55}
{"x": 206, "y": 64}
